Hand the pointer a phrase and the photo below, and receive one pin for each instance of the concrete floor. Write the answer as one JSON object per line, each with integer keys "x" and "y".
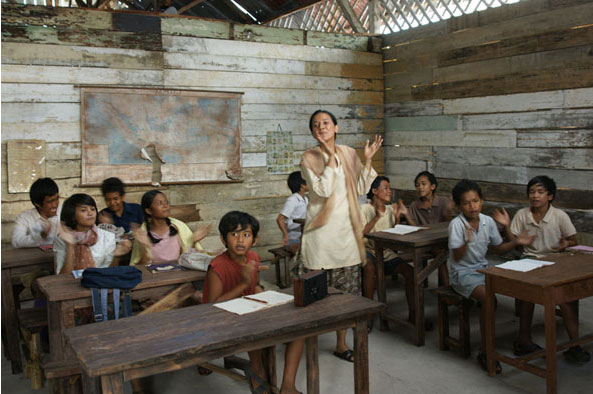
{"x": 396, "y": 365}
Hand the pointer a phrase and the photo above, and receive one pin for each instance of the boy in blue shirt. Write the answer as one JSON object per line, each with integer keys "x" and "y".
{"x": 119, "y": 212}
{"x": 471, "y": 235}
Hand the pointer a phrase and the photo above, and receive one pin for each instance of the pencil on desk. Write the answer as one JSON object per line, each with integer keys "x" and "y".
{"x": 255, "y": 299}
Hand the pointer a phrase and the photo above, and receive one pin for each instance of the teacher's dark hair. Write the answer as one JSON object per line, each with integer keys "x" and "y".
{"x": 322, "y": 111}
{"x": 69, "y": 208}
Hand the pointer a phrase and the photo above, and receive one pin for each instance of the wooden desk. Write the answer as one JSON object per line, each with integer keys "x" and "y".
{"x": 570, "y": 279}
{"x": 418, "y": 243}
{"x": 18, "y": 261}
{"x": 148, "y": 344}
{"x": 64, "y": 294}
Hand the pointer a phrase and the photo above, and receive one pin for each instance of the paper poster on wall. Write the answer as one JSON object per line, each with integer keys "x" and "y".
{"x": 279, "y": 152}
{"x": 25, "y": 163}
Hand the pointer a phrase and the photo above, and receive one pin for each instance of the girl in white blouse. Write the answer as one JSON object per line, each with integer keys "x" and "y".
{"x": 80, "y": 243}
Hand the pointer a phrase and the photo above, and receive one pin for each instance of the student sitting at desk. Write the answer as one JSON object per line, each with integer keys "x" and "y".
{"x": 379, "y": 215}
{"x": 428, "y": 208}
{"x": 471, "y": 235}
{"x": 118, "y": 212}
{"x": 162, "y": 238}
{"x": 235, "y": 273}
{"x": 37, "y": 226}
{"x": 553, "y": 232}
{"x": 295, "y": 207}
{"x": 80, "y": 243}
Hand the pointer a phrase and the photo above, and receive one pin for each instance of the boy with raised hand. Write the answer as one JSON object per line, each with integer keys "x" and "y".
{"x": 554, "y": 232}
{"x": 235, "y": 273}
{"x": 118, "y": 212}
{"x": 37, "y": 226}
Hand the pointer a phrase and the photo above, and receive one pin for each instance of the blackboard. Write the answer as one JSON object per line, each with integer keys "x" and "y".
{"x": 160, "y": 136}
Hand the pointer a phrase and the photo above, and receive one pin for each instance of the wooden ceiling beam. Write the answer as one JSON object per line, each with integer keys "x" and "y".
{"x": 190, "y": 5}
{"x": 351, "y": 16}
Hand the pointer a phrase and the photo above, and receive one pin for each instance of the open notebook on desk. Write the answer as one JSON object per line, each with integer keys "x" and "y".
{"x": 255, "y": 302}
{"x": 524, "y": 265}
{"x": 402, "y": 229}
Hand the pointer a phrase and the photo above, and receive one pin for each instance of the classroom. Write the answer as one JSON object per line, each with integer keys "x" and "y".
{"x": 498, "y": 96}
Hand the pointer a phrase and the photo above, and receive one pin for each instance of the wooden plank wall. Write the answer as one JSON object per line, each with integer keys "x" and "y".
{"x": 498, "y": 96}
{"x": 285, "y": 75}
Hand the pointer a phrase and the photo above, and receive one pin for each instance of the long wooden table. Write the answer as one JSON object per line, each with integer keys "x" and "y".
{"x": 143, "y": 345}
{"x": 568, "y": 280}
{"x": 64, "y": 294}
{"x": 18, "y": 262}
{"x": 419, "y": 244}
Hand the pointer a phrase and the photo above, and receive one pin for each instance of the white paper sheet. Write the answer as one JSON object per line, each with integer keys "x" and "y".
{"x": 240, "y": 306}
{"x": 524, "y": 265}
{"x": 243, "y": 305}
{"x": 402, "y": 229}
{"x": 273, "y": 298}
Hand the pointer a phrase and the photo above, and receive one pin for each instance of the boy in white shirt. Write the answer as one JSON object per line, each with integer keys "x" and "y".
{"x": 37, "y": 226}
{"x": 295, "y": 207}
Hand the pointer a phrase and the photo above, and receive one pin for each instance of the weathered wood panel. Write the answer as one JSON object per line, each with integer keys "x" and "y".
{"x": 81, "y": 75}
{"x": 57, "y": 55}
{"x": 531, "y": 24}
{"x": 573, "y": 179}
{"x": 520, "y": 45}
{"x": 195, "y": 27}
{"x": 269, "y": 51}
{"x": 495, "y": 138}
{"x": 555, "y": 139}
{"x": 39, "y": 93}
{"x": 553, "y": 119}
{"x": 522, "y": 102}
{"x": 571, "y": 159}
{"x": 223, "y": 79}
{"x": 48, "y": 130}
{"x": 304, "y": 111}
{"x": 266, "y": 34}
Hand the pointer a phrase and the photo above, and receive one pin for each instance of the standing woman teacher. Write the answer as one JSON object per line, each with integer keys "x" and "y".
{"x": 332, "y": 238}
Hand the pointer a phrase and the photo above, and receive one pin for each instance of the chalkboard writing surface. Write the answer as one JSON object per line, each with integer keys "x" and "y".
{"x": 160, "y": 136}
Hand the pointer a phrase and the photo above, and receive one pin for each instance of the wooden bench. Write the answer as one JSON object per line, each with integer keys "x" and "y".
{"x": 446, "y": 297}
{"x": 283, "y": 255}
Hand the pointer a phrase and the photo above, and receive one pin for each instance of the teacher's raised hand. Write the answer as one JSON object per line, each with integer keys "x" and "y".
{"x": 371, "y": 148}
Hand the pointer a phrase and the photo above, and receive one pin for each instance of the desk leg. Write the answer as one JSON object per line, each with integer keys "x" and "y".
{"x": 418, "y": 298}
{"x": 10, "y": 323}
{"x": 312, "y": 365}
{"x": 269, "y": 357}
{"x": 90, "y": 385}
{"x": 381, "y": 292}
{"x": 550, "y": 327}
{"x": 60, "y": 315}
{"x": 361, "y": 358}
{"x": 490, "y": 325}
{"x": 112, "y": 384}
